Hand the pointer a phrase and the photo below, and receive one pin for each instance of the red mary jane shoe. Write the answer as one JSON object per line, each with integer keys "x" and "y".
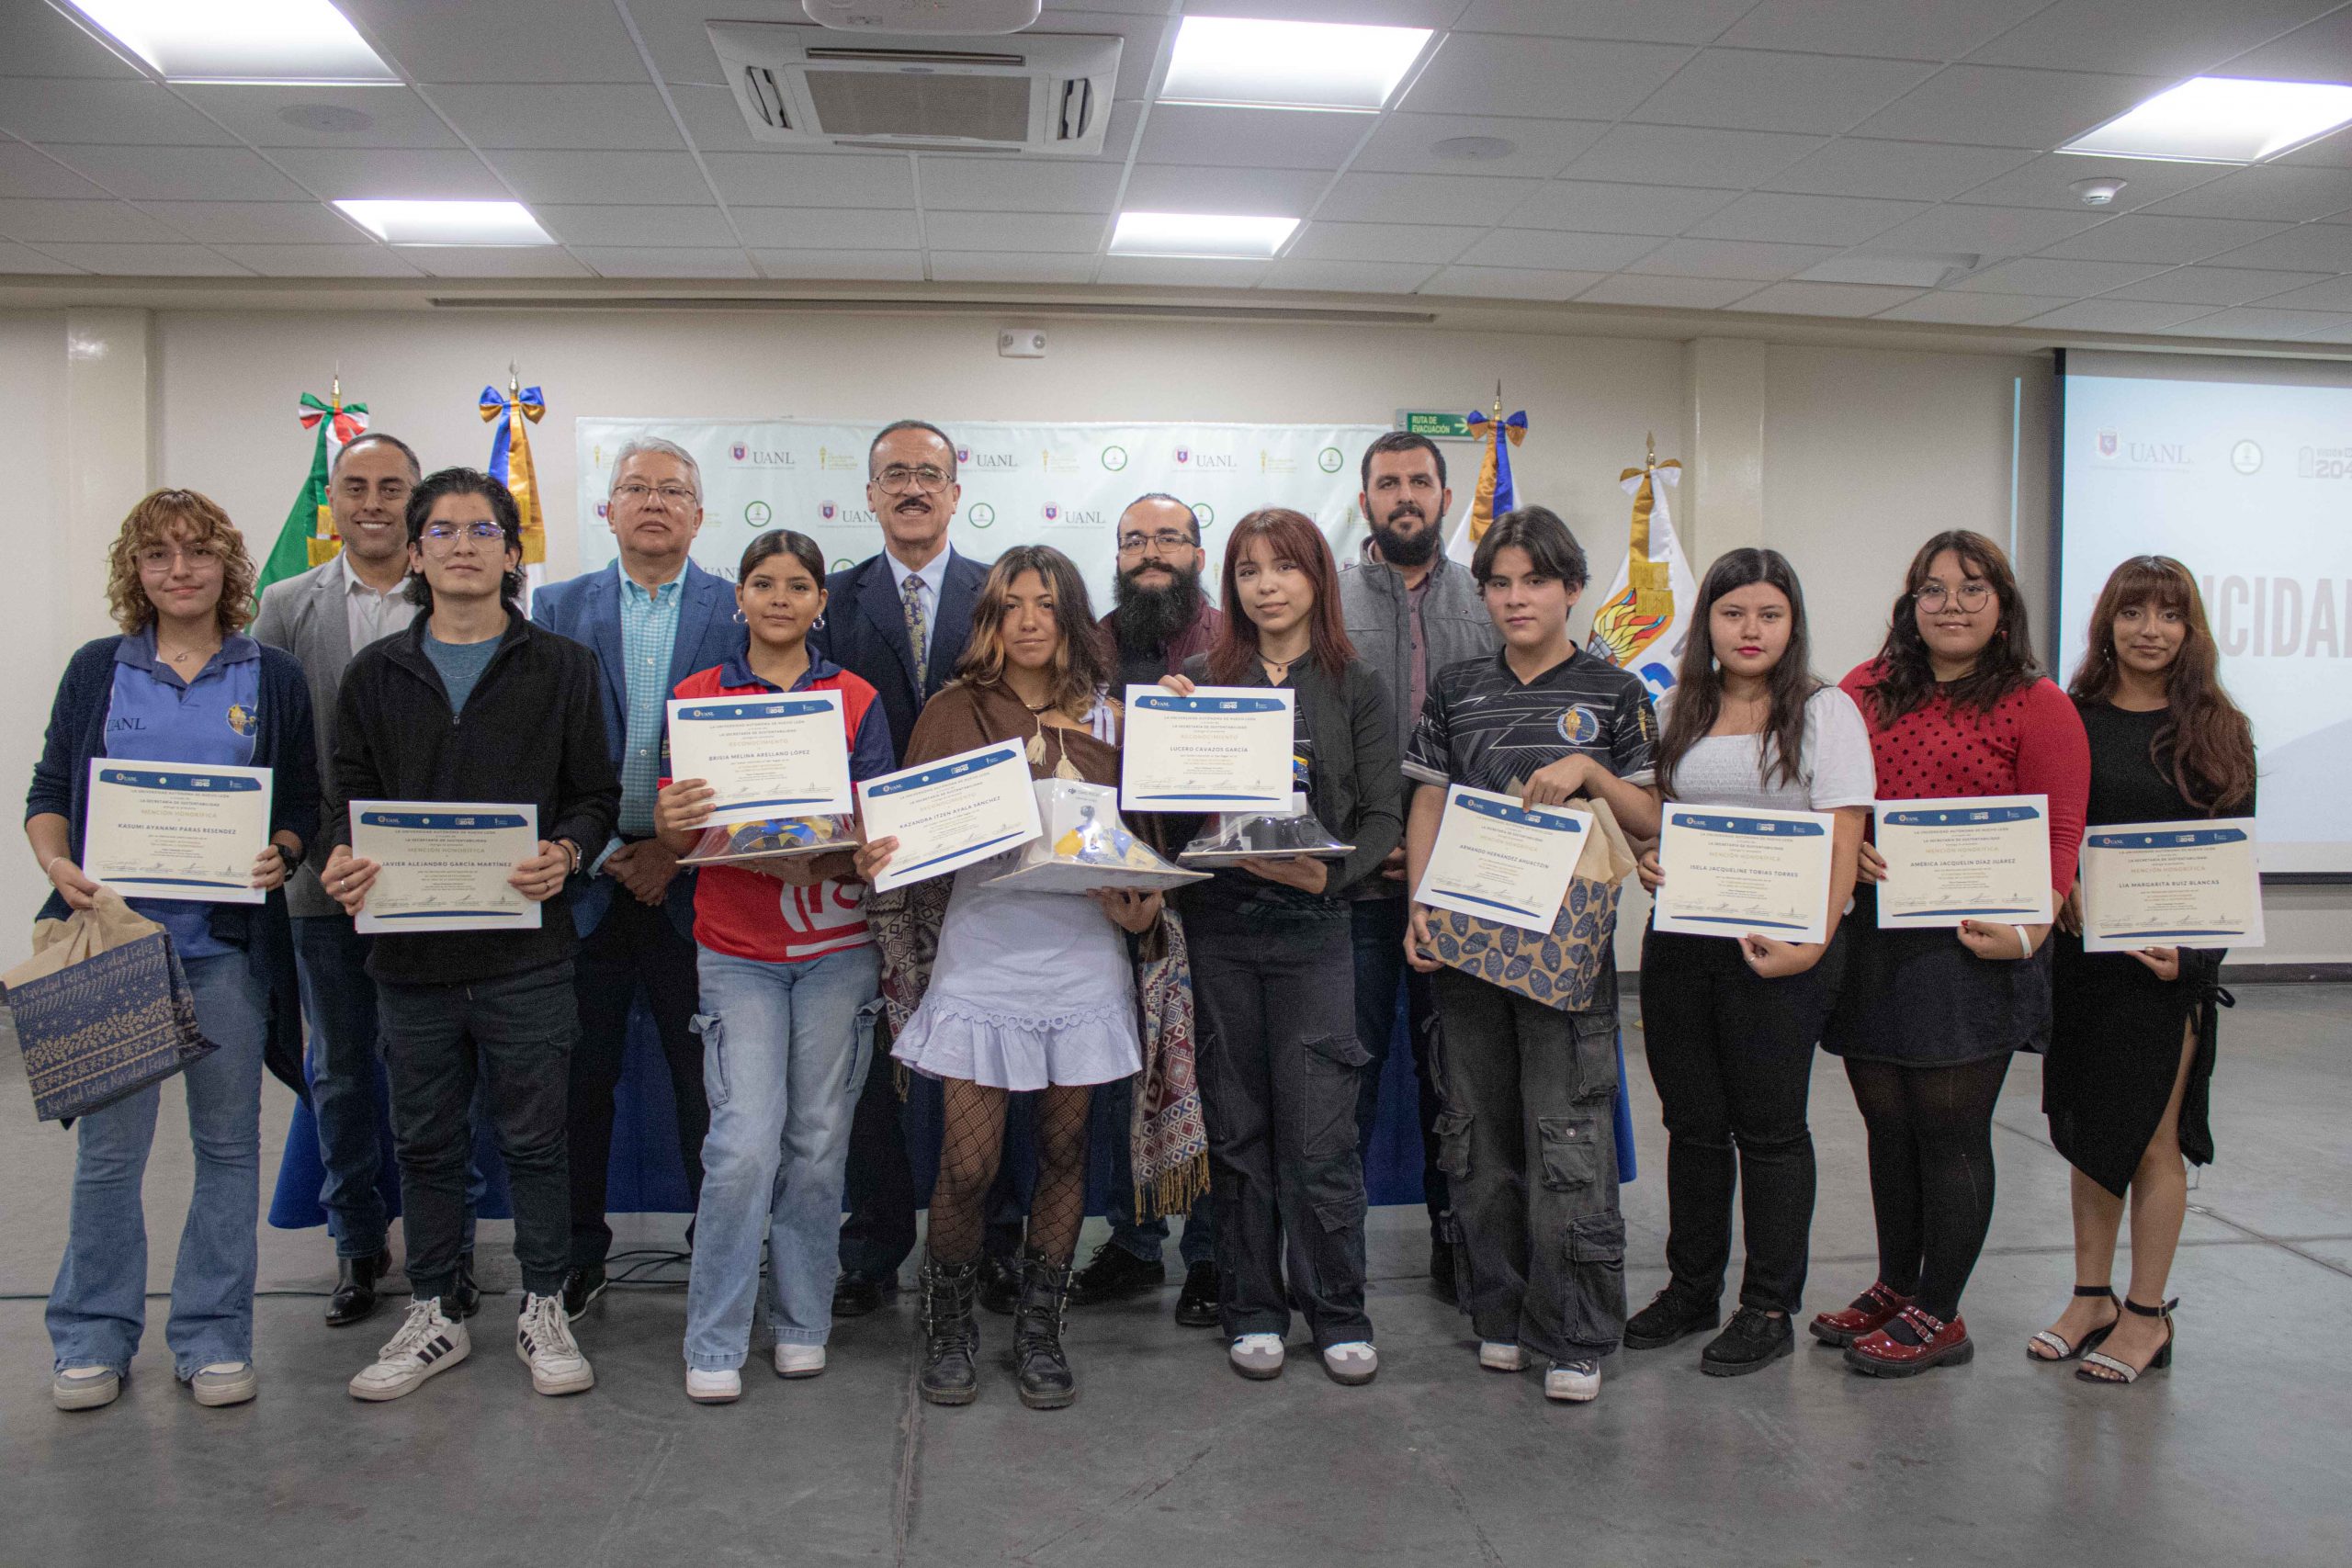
{"x": 1941, "y": 1344}
{"x": 1871, "y": 1311}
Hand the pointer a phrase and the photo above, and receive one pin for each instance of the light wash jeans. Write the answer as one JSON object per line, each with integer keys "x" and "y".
{"x": 785, "y": 1050}
{"x": 97, "y": 1308}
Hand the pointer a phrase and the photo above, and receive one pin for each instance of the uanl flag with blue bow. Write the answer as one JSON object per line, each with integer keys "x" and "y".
{"x": 510, "y": 456}
{"x": 1645, "y": 619}
{"x": 308, "y": 536}
{"x": 1494, "y": 494}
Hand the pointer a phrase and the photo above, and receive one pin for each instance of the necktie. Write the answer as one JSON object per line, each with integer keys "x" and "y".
{"x": 918, "y": 629}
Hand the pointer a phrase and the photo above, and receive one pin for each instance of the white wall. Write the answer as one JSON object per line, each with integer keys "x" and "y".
{"x": 40, "y": 626}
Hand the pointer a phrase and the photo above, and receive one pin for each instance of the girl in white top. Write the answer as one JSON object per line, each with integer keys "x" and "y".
{"x": 1731, "y": 1021}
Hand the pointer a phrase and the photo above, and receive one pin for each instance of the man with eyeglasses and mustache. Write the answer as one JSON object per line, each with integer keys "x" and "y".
{"x": 1411, "y": 613}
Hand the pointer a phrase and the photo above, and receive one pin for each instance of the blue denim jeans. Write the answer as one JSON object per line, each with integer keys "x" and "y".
{"x": 97, "y": 1308}
{"x": 785, "y": 1052}
{"x": 1112, "y": 1108}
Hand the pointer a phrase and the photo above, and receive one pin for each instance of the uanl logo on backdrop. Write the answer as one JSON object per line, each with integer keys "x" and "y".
{"x": 2108, "y": 445}
{"x": 988, "y": 462}
{"x": 762, "y": 457}
{"x": 2139, "y": 454}
{"x": 1052, "y": 512}
{"x": 826, "y": 510}
{"x": 1209, "y": 462}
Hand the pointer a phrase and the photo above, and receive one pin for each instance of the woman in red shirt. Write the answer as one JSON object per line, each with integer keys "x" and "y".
{"x": 1928, "y": 1020}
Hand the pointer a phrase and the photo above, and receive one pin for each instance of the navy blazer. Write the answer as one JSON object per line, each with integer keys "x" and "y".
{"x": 865, "y": 634}
{"x": 587, "y": 609}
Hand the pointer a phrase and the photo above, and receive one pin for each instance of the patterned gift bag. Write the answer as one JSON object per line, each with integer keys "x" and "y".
{"x": 102, "y": 1009}
{"x": 1562, "y": 967}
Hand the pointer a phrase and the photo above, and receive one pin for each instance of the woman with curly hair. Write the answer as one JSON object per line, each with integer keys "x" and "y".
{"x": 182, "y": 683}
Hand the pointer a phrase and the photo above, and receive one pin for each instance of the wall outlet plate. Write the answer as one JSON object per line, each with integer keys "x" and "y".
{"x": 1020, "y": 343}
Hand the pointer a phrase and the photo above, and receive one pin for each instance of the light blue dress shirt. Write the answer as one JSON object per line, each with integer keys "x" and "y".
{"x": 649, "y": 635}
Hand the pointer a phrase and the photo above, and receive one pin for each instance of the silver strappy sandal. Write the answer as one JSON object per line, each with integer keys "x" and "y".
{"x": 2110, "y": 1370}
{"x": 2053, "y": 1346}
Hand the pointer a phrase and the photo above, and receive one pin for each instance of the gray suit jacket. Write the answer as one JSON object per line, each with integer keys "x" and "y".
{"x": 306, "y": 615}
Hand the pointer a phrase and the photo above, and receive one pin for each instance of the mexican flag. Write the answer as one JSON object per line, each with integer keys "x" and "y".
{"x": 308, "y": 537}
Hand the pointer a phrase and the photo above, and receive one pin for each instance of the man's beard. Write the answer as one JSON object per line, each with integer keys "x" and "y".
{"x": 1149, "y": 618}
{"x": 1399, "y": 548}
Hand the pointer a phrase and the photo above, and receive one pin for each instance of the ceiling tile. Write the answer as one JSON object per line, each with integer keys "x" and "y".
{"x": 1509, "y": 283}
{"x": 25, "y": 259}
{"x": 2141, "y": 237}
{"x": 38, "y": 41}
{"x": 812, "y": 179}
{"x": 1249, "y": 138}
{"x": 86, "y": 220}
{"x": 1816, "y": 219}
{"x": 2072, "y": 279}
{"x": 139, "y": 113}
{"x": 2314, "y": 247}
{"x": 2048, "y": 181}
{"x": 1571, "y": 78}
{"x": 880, "y": 266}
{"x": 2283, "y": 192}
{"x": 147, "y": 261}
{"x": 1183, "y": 187}
{"x": 2215, "y": 286}
{"x": 1972, "y": 310}
{"x": 2317, "y": 52}
{"x": 1320, "y": 241}
{"x": 1015, "y": 231}
{"x": 1419, "y": 199}
{"x": 1139, "y": 35}
{"x": 665, "y": 261}
{"x": 1680, "y": 293}
{"x": 1180, "y": 271}
{"x": 2324, "y": 294}
{"x": 516, "y": 41}
{"x": 1653, "y": 21}
{"x": 675, "y": 227}
{"x": 320, "y": 261}
{"x": 2333, "y": 334}
{"x": 1006, "y": 184}
{"x": 1007, "y": 266}
{"x": 257, "y": 222}
{"x": 2263, "y": 321}
{"x": 393, "y": 114}
{"x": 2160, "y": 38}
{"x": 621, "y": 117}
{"x": 1600, "y": 207}
{"x": 1985, "y": 231}
{"x": 1826, "y": 298}
{"x": 715, "y": 121}
{"x": 1731, "y": 258}
{"x": 339, "y": 174}
{"x": 2116, "y": 316}
{"x": 1676, "y": 155}
{"x": 1875, "y": 28}
{"x": 828, "y": 228}
{"x": 656, "y": 179}
{"x": 27, "y": 172}
{"x": 164, "y": 174}
{"x": 1741, "y": 89}
{"x": 1994, "y": 107}
{"x": 1911, "y": 171}
{"x": 2333, "y": 151}
{"x": 1555, "y": 250}
{"x": 493, "y": 261}
{"x": 1404, "y": 144}
{"x": 1346, "y": 276}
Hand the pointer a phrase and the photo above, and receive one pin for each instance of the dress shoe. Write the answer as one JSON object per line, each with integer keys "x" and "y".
{"x": 1674, "y": 1314}
{"x": 582, "y": 1286}
{"x": 1753, "y": 1340}
{"x": 354, "y": 1288}
{"x": 1868, "y": 1313}
{"x": 1924, "y": 1342}
{"x": 854, "y": 1295}
{"x": 1196, "y": 1302}
{"x": 1000, "y": 1285}
{"x": 1113, "y": 1275}
{"x": 466, "y": 1291}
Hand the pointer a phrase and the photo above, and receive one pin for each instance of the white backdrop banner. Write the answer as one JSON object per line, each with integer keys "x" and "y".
{"x": 1062, "y": 485}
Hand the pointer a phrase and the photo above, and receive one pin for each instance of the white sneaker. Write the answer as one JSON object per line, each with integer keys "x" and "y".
{"x": 428, "y": 1342}
{"x": 799, "y": 1361}
{"x": 1257, "y": 1356}
{"x": 1575, "y": 1383}
{"x": 543, "y": 1342}
{"x": 225, "y": 1383}
{"x": 1352, "y": 1363}
{"x": 85, "y": 1388}
{"x": 1499, "y": 1356}
{"x": 723, "y": 1387}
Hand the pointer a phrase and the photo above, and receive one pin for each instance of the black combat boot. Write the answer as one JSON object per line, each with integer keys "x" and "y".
{"x": 951, "y": 1333}
{"x": 1045, "y": 1375}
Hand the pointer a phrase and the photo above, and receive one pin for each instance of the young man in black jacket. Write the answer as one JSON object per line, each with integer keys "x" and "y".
{"x": 474, "y": 703}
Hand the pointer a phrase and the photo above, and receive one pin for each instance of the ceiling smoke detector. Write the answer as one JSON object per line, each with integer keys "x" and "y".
{"x": 1473, "y": 149}
{"x": 2098, "y": 192}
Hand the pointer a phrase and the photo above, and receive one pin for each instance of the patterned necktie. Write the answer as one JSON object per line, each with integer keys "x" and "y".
{"x": 918, "y": 628}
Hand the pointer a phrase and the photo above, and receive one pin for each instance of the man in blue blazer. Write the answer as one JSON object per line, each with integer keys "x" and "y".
{"x": 654, "y": 617}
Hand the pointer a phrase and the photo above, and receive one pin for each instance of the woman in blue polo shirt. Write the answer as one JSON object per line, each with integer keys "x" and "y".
{"x": 181, "y": 684}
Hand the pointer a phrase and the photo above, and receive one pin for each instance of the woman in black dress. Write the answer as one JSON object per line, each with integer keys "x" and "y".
{"x": 2132, "y": 1042}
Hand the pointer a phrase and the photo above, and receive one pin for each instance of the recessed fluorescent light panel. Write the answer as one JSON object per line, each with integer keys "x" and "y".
{"x": 448, "y": 222}
{"x": 241, "y": 40}
{"x": 2221, "y": 119}
{"x": 1199, "y": 234}
{"x": 1292, "y": 65}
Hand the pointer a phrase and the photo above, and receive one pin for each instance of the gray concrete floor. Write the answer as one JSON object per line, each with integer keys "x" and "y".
{"x": 2240, "y": 1454}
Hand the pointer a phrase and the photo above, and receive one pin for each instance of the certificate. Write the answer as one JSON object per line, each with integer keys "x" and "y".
{"x": 766, "y": 756}
{"x": 948, "y": 814}
{"x": 1501, "y": 860}
{"x": 445, "y": 864}
{"x": 1982, "y": 857}
{"x": 1222, "y": 749}
{"x": 2171, "y": 885}
{"x": 1733, "y": 871}
{"x": 177, "y": 831}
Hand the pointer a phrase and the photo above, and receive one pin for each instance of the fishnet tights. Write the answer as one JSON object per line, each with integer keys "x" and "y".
{"x": 970, "y": 1145}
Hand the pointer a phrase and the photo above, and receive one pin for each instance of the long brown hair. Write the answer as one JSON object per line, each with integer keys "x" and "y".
{"x": 1698, "y": 683}
{"x": 198, "y": 520}
{"x": 1905, "y": 677}
{"x": 1291, "y": 537}
{"x": 2204, "y": 744}
{"x": 1080, "y": 670}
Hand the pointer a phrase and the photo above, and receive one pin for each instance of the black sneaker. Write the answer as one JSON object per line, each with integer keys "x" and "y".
{"x": 854, "y": 1295}
{"x": 1000, "y": 1285}
{"x": 464, "y": 1292}
{"x": 1675, "y": 1315}
{"x": 1196, "y": 1302}
{"x": 1752, "y": 1339}
{"x": 582, "y": 1286}
{"x": 1113, "y": 1274}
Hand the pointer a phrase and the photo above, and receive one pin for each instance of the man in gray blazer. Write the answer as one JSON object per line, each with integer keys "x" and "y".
{"x": 322, "y": 617}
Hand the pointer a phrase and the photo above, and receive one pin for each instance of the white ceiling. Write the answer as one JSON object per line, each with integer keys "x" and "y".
{"x": 1688, "y": 153}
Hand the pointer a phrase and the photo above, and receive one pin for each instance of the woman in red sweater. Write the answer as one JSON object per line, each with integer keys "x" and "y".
{"x": 1927, "y": 1019}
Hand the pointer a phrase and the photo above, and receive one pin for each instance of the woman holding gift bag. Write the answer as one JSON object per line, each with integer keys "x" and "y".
{"x": 180, "y": 684}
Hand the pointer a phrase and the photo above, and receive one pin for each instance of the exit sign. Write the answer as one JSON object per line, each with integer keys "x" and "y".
{"x": 1436, "y": 426}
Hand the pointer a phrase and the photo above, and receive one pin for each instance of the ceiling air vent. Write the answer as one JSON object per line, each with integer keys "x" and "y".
{"x": 798, "y": 87}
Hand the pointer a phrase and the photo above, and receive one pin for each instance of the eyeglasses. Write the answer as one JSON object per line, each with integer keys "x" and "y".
{"x": 1167, "y": 539}
{"x": 163, "y": 558}
{"x": 1972, "y": 596}
{"x": 635, "y": 491}
{"x": 445, "y": 534}
{"x": 898, "y": 476}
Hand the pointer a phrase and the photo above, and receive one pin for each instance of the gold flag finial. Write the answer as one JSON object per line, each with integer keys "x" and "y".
{"x": 1498, "y": 399}
{"x": 1650, "y": 441}
{"x": 514, "y": 383}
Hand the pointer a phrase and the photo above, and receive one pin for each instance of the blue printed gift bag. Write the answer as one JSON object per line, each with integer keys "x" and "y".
{"x": 102, "y": 1009}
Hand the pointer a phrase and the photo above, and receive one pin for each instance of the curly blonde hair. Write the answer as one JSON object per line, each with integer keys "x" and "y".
{"x": 196, "y": 520}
